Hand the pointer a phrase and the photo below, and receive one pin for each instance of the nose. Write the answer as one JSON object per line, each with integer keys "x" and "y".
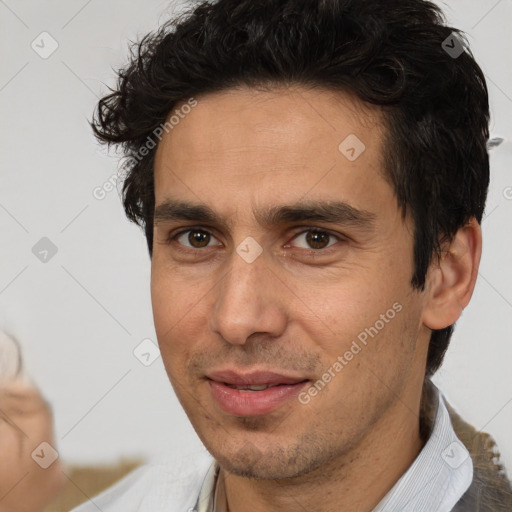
{"x": 248, "y": 300}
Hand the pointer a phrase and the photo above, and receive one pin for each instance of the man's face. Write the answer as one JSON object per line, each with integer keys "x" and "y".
{"x": 268, "y": 292}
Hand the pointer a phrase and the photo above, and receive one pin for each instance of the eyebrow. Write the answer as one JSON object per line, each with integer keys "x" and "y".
{"x": 333, "y": 212}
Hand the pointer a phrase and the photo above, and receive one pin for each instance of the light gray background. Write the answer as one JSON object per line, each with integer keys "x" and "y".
{"x": 81, "y": 314}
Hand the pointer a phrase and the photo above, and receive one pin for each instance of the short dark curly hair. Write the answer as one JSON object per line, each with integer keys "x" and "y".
{"x": 398, "y": 55}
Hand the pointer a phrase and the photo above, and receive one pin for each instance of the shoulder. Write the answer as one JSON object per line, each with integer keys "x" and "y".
{"x": 154, "y": 487}
{"x": 490, "y": 490}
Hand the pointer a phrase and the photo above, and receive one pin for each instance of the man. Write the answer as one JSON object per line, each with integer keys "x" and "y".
{"x": 311, "y": 177}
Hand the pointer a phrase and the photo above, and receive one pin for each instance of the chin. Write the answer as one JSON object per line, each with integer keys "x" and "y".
{"x": 272, "y": 463}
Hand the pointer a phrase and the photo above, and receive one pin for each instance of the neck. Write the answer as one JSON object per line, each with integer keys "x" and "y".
{"x": 357, "y": 481}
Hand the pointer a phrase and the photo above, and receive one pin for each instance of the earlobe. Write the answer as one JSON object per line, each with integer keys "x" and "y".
{"x": 451, "y": 280}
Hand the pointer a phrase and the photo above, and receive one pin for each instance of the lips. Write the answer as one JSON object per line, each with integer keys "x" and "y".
{"x": 253, "y": 393}
{"x": 240, "y": 380}
{"x": 251, "y": 387}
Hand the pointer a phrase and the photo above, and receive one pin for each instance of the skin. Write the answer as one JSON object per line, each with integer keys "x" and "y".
{"x": 296, "y": 308}
{"x": 25, "y": 422}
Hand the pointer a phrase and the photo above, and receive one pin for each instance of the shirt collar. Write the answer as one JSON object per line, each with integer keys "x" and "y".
{"x": 436, "y": 480}
{"x": 440, "y": 474}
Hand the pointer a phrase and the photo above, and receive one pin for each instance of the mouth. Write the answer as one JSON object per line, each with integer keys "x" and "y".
{"x": 253, "y": 394}
{"x": 252, "y": 387}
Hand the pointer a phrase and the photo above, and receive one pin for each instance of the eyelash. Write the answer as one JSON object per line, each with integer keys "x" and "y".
{"x": 174, "y": 236}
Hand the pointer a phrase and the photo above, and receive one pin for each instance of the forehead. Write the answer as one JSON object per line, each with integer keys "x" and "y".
{"x": 299, "y": 115}
{"x": 267, "y": 144}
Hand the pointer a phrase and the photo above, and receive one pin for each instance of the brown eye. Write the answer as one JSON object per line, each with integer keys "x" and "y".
{"x": 195, "y": 239}
{"x": 198, "y": 239}
{"x": 317, "y": 239}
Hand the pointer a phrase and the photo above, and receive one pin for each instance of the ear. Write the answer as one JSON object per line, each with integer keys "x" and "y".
{"x": 451, "y": 280}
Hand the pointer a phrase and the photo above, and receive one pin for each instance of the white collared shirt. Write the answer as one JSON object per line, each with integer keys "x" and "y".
{"x": 439, "y": 476}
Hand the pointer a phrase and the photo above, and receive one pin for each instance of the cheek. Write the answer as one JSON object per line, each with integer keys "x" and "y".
{"x": 167, "y": 303}
{"x": 179, "y": 318}
{"x": 374, "y": 321}
{"x": 170, "y": 297}
{"x": 342, "y": 308}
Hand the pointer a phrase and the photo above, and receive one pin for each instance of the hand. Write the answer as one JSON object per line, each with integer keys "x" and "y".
{"x": 25, "y": 422}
